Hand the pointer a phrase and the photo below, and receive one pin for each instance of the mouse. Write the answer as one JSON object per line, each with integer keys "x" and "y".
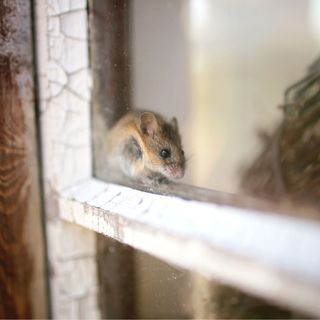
{"x": 145, "y": 146}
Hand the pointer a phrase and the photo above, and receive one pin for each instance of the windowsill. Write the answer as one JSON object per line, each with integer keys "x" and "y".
{"x": 270, "y": 255}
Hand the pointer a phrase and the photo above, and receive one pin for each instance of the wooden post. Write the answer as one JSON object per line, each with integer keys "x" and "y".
{"x": 22, "y": 272}
{"x": 109, "y": 42}
{"x": 110, "y": 99}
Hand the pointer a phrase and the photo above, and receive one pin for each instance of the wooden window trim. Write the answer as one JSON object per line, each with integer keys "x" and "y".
{"x": 270, "y": 255}
{"x": 23, "y": 269}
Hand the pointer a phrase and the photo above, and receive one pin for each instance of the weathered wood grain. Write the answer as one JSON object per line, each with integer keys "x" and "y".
{"x": 16, "y": 262}
{"x": 22, "y": 275}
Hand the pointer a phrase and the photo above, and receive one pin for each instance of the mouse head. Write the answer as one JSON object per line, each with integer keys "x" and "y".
{"x": 162, "y": 151}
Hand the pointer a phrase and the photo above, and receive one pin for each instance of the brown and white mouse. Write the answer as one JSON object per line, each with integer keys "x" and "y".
{"x": 146, "y": 147}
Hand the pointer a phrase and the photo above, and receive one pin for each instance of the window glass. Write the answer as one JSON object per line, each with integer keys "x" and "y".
{"x": 221, "y": 67}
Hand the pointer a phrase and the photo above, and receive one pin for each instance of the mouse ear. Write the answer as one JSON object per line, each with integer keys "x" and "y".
{"x": 148, "y": 123}
{"x": 174, "y": 123}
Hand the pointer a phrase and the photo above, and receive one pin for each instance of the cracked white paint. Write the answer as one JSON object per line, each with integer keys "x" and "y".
{"x": 64, "y": 79}
{"x": 68, "y": 93}
{"x": 71, "y": 28}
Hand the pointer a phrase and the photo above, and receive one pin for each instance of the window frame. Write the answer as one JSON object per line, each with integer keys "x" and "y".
{"x": 150, "y": 219}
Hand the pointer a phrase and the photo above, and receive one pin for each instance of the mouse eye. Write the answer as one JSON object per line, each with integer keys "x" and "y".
{"x": 165, "y": 153}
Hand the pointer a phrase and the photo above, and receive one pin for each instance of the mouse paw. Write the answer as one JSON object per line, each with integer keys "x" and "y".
{"x": 154, "y": 180}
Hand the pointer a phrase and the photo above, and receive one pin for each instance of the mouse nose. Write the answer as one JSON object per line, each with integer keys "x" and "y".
{"x": 176, "y": 172}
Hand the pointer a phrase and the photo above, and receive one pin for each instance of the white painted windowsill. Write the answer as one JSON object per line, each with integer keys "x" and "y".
{"x": 273, "y": 256}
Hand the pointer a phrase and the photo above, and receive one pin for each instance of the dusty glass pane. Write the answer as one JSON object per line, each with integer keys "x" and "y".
{"x": 163, "y": 291}
{"x": 221, "y": 67}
